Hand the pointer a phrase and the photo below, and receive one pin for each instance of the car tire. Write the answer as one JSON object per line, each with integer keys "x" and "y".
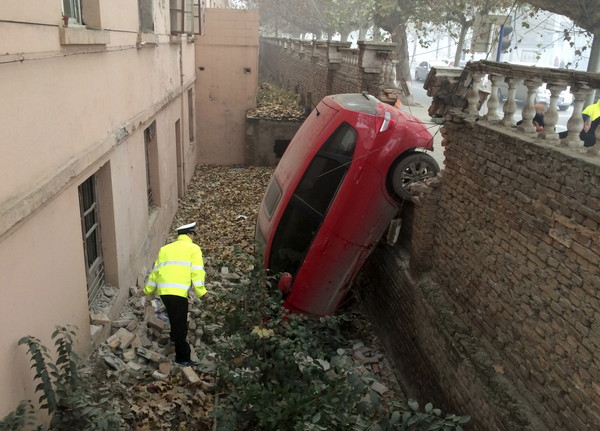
{"x": 563, "y": 107}
{"x": 417, "y": 76}
{"x": 411, "y": 169}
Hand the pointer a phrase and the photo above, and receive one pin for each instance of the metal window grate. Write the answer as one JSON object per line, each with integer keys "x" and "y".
{"x": 149, "y": 136}
{"x": 92, "y": 246}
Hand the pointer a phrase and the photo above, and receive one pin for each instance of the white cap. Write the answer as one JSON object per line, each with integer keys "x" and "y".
{"x": 190, "y": 227}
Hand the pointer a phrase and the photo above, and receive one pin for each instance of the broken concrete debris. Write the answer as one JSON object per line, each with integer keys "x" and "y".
{"x": 139, "y": 343}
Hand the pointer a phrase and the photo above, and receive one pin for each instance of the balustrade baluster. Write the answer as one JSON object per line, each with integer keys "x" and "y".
{"x": 510, "y": 106}
{"x": 528, "y": 112}
{"x": 575, "y": 123}
{"x": 551, "y": 115}
{"x": 493, "y": 101}
{"x": 473, "y": 94}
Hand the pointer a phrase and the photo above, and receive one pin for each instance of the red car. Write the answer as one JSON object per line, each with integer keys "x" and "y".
{"x": 334, "y": 193}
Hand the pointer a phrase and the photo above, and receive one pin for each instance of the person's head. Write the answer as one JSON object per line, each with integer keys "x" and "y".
{"x": 187, "y": 229}
{"x": 541, "y": 107}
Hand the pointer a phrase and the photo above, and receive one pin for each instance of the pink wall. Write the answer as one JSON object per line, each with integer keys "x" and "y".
{"x": 227, "y": 83}
{"x": 71, "y": 109}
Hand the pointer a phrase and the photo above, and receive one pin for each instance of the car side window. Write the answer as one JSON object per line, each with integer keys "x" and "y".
{"x": 311, "y": 200}
{"x": 272, "y": 197}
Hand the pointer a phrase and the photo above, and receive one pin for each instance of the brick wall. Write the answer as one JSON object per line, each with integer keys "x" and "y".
{"x": 506, "y": 319}
{"x": 490, "y": 303}
{"x": 292, "y": 70}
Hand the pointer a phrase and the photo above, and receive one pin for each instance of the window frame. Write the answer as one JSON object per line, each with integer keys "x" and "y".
{"x": 187, "y": 17}
{"x": 74, "y": 14}
{"x": 92, "y": 238}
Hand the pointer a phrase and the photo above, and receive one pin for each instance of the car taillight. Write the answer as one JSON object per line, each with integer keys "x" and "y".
{"x": 385, "y": 121}
{"x": 285, "y": 283}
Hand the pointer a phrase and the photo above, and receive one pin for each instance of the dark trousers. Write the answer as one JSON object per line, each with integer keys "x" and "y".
{"x": 177, "y": 309}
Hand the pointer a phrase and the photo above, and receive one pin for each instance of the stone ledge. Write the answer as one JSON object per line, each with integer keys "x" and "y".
{"x": 83, "y": 36}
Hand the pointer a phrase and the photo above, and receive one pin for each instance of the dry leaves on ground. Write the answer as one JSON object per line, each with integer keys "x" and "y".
{"x": 224, "y": 201}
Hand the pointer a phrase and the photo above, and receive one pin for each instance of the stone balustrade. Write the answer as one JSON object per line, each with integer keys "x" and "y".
{"x": 482, "y": 84}
{"x": 371, "y": 67}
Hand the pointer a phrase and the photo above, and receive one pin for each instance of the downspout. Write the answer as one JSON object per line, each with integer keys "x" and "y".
{"x": 182, "y": 115}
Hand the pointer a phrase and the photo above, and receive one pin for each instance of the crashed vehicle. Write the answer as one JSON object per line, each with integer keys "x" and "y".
{"x": 334, "y": 193}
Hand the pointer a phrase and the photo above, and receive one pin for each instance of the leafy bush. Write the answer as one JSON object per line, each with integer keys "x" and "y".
{"x": 288, "y": 372}
{"x": 63, "y": 394}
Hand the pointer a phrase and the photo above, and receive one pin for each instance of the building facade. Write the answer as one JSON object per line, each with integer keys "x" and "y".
{"x": 99, "y": 141}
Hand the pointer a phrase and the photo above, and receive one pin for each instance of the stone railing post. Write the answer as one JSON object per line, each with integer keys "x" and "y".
{"x": 528, "y": 112}
{"x": 334, "y": 53}
{"x": 575, "y": 123}
{"x": 551, "y": 115}
{"x": 375, "y": 58}
{"x": 510, "y": 106}
{"x": 473, "y": 97}
{"x": 371, "y": 59}
{"x": 493, "y": 101}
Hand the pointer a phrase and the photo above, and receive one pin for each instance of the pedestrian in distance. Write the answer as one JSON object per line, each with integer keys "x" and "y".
{"x": 179, "y": 267}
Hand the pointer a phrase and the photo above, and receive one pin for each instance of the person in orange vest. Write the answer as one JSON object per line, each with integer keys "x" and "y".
{"x": 178, "y": 267}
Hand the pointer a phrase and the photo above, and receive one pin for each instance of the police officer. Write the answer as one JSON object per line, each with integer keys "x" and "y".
{"x": 179, "y": 266}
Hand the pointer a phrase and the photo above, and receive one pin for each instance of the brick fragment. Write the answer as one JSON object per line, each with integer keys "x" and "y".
{"x": 190, "y": 375}
{"x": 156, "y": 323}
{"x": 99, "y": 319}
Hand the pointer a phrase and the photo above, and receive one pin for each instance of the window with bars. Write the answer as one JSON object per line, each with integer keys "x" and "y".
{"x": 149, "y": 141}
{"x": 187, "y": 16}
{"x": 92, "y": 247}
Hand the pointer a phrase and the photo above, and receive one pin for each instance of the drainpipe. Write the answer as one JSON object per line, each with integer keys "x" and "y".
{"x": 181, "y": 132}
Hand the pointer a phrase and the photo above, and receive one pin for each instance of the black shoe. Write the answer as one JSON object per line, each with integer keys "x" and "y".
{"x": 187, "y": 363}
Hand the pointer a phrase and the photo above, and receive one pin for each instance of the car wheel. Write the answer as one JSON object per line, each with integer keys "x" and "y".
{"x": 409, "y": 170}
{"x": 417, "y": 76}
{"x": 563, "y": 107}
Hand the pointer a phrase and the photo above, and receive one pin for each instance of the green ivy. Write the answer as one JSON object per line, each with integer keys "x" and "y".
{"x": 288, "y": 373}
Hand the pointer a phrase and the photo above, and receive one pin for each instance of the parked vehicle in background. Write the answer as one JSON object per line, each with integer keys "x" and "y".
{"x": 334, "y": 193}
{"x": 423, "y": 68}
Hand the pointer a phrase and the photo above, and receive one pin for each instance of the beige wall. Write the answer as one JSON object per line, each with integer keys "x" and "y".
{"x": 227, "y": 83}
{"x": 68, "y": 111}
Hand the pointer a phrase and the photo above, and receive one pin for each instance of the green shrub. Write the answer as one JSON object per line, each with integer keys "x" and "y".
{"x": 63, "y": 394}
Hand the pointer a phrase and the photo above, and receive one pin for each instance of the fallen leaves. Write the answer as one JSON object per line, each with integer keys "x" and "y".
{"x": 277, "y": 104}
{"x": 224, "y": 201}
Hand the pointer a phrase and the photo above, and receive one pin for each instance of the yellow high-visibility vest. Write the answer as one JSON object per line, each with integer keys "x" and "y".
{"x": 179, "y": 266}
{"x": 592, "y": 110}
